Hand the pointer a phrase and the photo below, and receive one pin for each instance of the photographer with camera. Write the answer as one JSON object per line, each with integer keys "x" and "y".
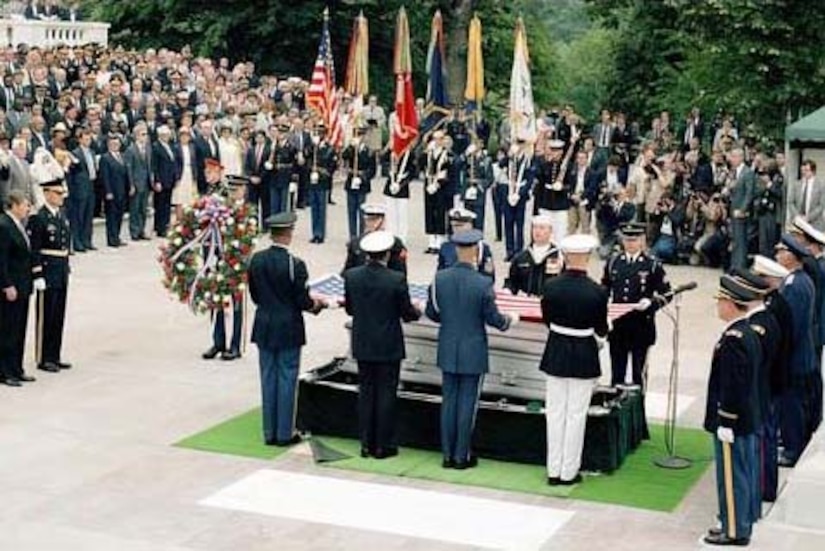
{"x": 767, "y": 206}
{"x": 664, "y": 227}
{"x": 707, "y": 215}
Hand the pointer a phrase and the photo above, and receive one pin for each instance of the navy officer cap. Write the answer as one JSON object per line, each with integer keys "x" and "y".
{"x": 751, "y": 281}
{"x": 467, "y": 238}
{"x": 282, "y": 220}
{"x": 733, "y": 289}
{"x": 792, "y": 244}
{"x": 632, "y": 230}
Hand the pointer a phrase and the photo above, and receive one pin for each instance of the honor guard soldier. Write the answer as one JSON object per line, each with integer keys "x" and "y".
{"x": 774, "y": 273}
{"x": 50, "y": 244}
{"x": 552, "y": 194}
{"x": 634, "y": 277}
{"x": 399, "y": 171}
{"x": 378, "y": 300}
{"x": 374, "y": 216}
{"x": 458, "y": 131}
{"x": 478, "y": 179}
{"x": 799, "y": 293}
{"x": 322, "y": 165}
{"x": 538, "y": 263}
{"x": 360, "y": 164}
{"x": 520, "y": 184}
{"x": 732, "y": 413}
{"x": 436, "y": 193}
{"x": 278, "y": 286}
{"x": 462, "y": 220}
{"x": 575, "y": 309}
{"x": 463, "y": 302}
{"x": 233, "y": 187}
{"x": 279, "y": 165}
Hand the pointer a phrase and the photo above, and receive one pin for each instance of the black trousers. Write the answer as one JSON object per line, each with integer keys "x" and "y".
{"x": 620, "y": 349}
{"x": 258, "y": 195}
{"x": 80, "y": 209}
{"x": 114, "y": 219}
{"x": 377, "y": 387}
{"x": 51, "y": 316}
{"x": 162, "y": 203}
{"x": 14, "y": 316}
{"x": 435, "y": 213}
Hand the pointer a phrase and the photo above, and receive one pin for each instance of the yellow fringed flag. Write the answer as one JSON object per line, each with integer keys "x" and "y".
{"x": 474, "y": 90}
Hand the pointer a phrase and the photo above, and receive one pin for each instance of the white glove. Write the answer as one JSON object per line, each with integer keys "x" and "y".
{"x": 584, "y": 203}
{"x": 725, "y": 434}
{"x": 268, "y": 165}
{"x": 514, "y": 319}
{"x": 356, "y": 183}
{"x": 332, "y": 304}
{"x": 432, "y": 188}
{"x": 513, "y": 199}
{"x": 394, "y": 188}
{"x": 600, "y": 341}
{"x": 293, "y": 187}
{"x": 643, "y": 305}
{"x": 39, "y": 284}
{"x": 557, "y": 186}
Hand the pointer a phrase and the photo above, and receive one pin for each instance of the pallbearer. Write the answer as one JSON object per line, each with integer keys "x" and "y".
{"x": 538, "y": 263}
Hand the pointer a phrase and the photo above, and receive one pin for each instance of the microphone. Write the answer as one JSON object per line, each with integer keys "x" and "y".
{"x": 678, "y": 290}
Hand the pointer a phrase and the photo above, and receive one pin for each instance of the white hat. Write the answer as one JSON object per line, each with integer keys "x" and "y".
{"x": 805, "y": 227}
{"x": 373, "y": 209}
{"x": 764, "y": 266}
{"x": 541, "y": 220}
{"x": 377, "y": 242}
{"x": 460, "y": 214}
{"x": 556, "y": 144}
{"x": 580, "y": 243}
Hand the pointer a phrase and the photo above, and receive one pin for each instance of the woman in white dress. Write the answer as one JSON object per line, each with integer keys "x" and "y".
{"x": 185, "y": 190}
{"x": 230, "y": 151}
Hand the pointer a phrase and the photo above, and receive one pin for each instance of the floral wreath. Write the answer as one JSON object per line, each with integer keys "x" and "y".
{"x": 206, "y": 255}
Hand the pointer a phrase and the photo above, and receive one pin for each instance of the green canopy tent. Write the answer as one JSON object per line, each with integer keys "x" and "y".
{"x": 804, "y": 139}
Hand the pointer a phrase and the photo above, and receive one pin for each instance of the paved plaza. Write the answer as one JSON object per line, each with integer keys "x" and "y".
{"x": 87, "y": 460}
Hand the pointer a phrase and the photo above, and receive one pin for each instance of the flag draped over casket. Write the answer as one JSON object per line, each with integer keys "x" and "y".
{"x": 405, "y": 130}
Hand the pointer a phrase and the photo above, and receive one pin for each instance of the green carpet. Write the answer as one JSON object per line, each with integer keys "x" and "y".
{"x": 637, "y": 483}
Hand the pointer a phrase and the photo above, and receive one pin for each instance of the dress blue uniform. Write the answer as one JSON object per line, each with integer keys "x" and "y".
{"x": 462, "y": 301}
{"x": 520, "y": 179}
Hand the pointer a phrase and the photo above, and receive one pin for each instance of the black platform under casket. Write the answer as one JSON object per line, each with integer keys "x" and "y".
{"x": 510, "y": 424}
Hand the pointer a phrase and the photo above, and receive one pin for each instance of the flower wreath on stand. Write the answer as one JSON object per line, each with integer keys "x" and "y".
{"x": 207, "y": 253}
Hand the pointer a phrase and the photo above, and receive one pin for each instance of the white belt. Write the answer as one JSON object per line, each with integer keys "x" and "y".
{"x": 571, "y": 332}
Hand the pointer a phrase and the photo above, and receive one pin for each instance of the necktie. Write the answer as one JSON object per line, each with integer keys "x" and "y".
{"x": 604, "y": 136}
{"x": 90, "y": 164}
{"x": 258, "y": 154}
{"x": 805, "y": 186}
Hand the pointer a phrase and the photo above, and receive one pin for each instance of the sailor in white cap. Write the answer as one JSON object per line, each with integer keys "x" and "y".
{"x": 374, "y": 216}
{"x": 378, "y": 300}
{"x": 531, "y": 268}
{"x": 520, "y": 174}
{"x": 462, "y": 219}
{"x": 437, "y": 199}
{"x": 551, "y": 193}
{"x": 575, "y": 309}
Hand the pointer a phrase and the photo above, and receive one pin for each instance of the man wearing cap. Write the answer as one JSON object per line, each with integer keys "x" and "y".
{"x": 773, "y": 274}
{"x": 531, "y": 268}
{"x": 278, "y": 286}
{"x": 115, "y": 179}
{"x": 15, "y": 288}
{"x": 439, "y": 162}
{"x": 378, "y": 299}
{"x": 520, "y": 182}
{"x": 360, "y": 166}
{"x": 374, "y": 216}
{"x": 634, "y": 277}
{"x": 463, "y": 302}
{"x": 479, "y": 178}
{"x": 398, "y": 172}
{"x": 798, "y": 290}
{"x": 575, "y": 309}
{"x": 165, "y": 170}
{"x": 462, "y": 220}
{"x": 138, "y": 158}
{"x": 50, "y": 240}
{"x": 278, "y": 168}
{"x": 322, "y": 164}
{"x": 731, "y": 413}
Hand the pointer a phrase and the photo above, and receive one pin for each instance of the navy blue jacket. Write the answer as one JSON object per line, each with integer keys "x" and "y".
{"x": 798, "y": 291}
{"x": 448, "y": 256}
{"x": 114, "y": 176}
{"x": 462, "y": 301}
{"x": 165, "y": 165}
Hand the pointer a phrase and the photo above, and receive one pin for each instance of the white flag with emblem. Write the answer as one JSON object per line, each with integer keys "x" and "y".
{"x": 522, "y": 109}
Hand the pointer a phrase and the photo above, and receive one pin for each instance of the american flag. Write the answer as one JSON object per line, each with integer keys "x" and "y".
{"x": 331, "y": 287}
{"x": 321, "y": 95}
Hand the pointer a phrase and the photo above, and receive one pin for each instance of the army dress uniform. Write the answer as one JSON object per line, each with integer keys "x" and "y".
{"x": 280, "y": 163}
{"x": 323, "y": 163}
{"x": 50, "y": 242}
{"x": 360, "y": 164}
{"x": 478, "y": 180}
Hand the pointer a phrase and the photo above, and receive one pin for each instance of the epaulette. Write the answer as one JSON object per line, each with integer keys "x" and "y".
{"x": 759, "y": 330}
{"x": 734, "y": 333}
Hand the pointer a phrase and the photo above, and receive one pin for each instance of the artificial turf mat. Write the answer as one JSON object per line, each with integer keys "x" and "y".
{"x": 637, "y": 483}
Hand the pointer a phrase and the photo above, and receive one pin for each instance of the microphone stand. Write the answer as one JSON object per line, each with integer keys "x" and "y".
{"x": 671, "y": 460}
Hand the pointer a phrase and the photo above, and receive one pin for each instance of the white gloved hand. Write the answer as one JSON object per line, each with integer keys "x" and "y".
{"x": 515, "y": 319}
{"x": 293, "y": 187}
{"x": 643, "y": 305}
{"x": 600, "y": 341}
{"x": 394, "y": 188}
{"x": 513, "y": 199}
{"x": 268, "y": 165}
{"x": 725, "y": 434}
{"x": 39, "y": 284}
{"x": 432, "y": 188}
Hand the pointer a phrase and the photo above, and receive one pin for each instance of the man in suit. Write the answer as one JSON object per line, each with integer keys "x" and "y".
{"x": 807, "y": 197}
{"x": 138, "y": 159}
{"x": 603, "y": 140}
{"x": 378, "y": 299}
{"x": 19, "y": 174}
{"x": 583, "y": 184}
{"x": 206, "y": 147}
{"x": 575, "y": 309}
{"x": 50, "y": 246}
{"x": 740, "y": 194}
{"x": 115, "y": 179}
{"x": 15, "y": 288}
{"x": 165, "y": 170}
{"x": 462, "y": 301}
{"x": 278, "y": 286}
{"x": 256, "y": 156}
{"x": 81, "y": 182}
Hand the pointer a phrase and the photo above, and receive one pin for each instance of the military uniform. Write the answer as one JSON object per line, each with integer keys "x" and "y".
{"x": 478, "y": 179}
{"x": 281, "y": 161}
{"x": 360, "y": 163}
{"x": 532, "y": 268}
{"x": 51, "y": 241}
{"x": 322, "y": 165}
{"x": 437, "y": 199}
{"x": 399, "y": 172}
{"x": 356, "y": 257}
{"x": 448, "y": 256}
{"x": 520, "y": 182}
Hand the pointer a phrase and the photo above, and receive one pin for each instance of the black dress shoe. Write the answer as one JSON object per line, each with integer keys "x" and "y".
{"x": 785, "y": 461}
{"x": 212, "y": 353}
{"x": 447, "y": 463}
{"x": 270, "y": 442}
{"x": 80, "y": 250}
{"x": 296, "y": 439}
{"x": 365, "y": 452}
{"x": 575, "y": 480}
{"x": 231, "y": 355}
{"x": 384, "y": 453}
{"x": 64, "y": 365}
{"x": 12, "y": 382}
{"x": 113, "y": 245}
{"x": 121, "y": 244}
{"x": 553, "y": 481}
{"x": 48, "y": 366}
{"x": 145, "y": 238}
{"x": 136, "y": 238}
{"x": 469, "y": 464}
{"x": 27, "y": 378}
{"x": 722, "y": 539}
{"x": 91, "y": 248}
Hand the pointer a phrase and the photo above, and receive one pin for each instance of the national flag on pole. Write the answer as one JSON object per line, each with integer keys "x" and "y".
{"x": 358, "y": 84}
{"x": 522, "y": 108}
{"x": 436, "y": 101}
{"x": 474, "y": 90}
{"x": 321, "y": 95}
{"x": 405, "y": 131}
